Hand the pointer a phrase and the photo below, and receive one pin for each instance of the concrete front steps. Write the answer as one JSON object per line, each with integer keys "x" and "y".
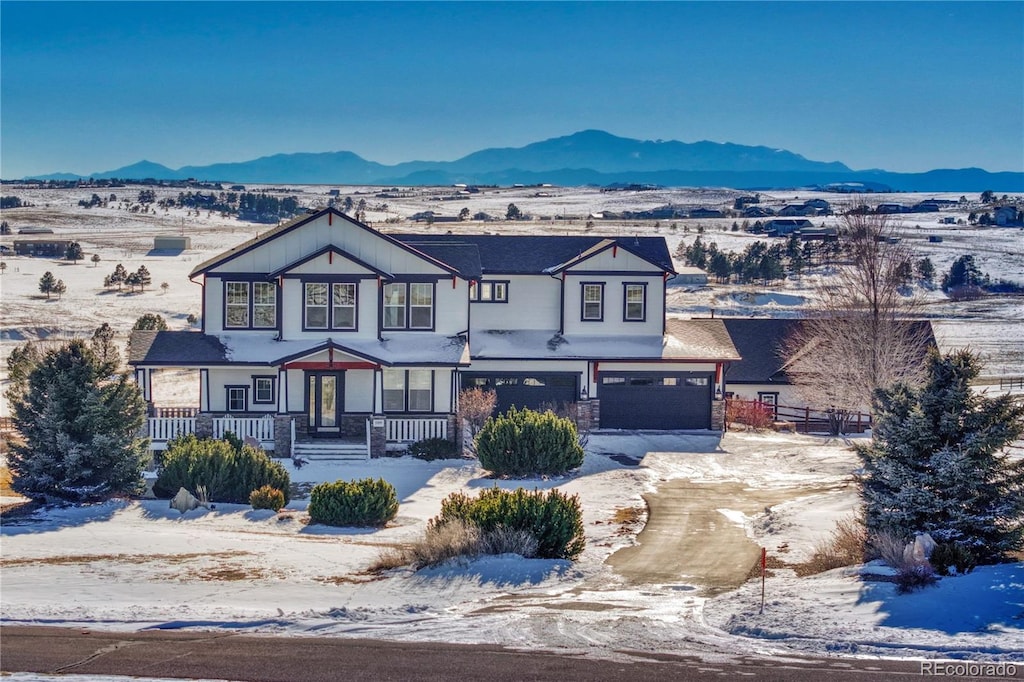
{"x": 330, "y": 450}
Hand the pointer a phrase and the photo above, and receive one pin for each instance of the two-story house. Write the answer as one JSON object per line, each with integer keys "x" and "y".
{"x": 325, "y": 335}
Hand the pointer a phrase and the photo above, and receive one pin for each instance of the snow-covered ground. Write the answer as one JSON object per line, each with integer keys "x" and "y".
{"x": 128, "y": 565}
{"x": 131, "y": 565}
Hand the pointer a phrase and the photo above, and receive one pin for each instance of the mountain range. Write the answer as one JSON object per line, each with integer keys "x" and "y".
{"x": 591, "y": 157}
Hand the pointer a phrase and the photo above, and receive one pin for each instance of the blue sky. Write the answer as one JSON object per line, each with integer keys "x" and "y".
{"x": 905, "y": 86}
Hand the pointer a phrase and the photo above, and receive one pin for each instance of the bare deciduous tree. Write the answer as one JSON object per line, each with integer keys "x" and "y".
{"x": 475, "y": 406}
{"x": 863, "y": 337}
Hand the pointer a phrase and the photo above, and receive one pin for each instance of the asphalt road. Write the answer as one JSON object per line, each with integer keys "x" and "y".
{"x": 179, "y": 654}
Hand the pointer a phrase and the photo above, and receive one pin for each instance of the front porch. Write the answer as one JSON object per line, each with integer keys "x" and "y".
{"x": 363, "y": 436}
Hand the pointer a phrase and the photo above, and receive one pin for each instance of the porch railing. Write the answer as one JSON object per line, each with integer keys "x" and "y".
{"x": 162, "y": 429}
{"x": 259, "y": 428}
{"x": 412, "y": 429}
{"x": 175, "y": 411}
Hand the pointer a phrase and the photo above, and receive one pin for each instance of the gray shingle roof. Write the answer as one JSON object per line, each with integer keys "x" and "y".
{"x": 175, "y": 348}
{"x": 759, "y": 342}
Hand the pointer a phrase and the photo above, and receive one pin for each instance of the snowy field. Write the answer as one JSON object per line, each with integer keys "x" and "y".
{"x": 131, "y": 565}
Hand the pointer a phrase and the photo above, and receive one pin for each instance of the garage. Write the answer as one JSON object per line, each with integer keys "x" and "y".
{"x": 655, "y": 400}
{"x": 526, "y": 389}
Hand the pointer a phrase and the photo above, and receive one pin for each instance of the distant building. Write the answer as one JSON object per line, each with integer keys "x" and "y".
{"x": 172, "y": 243}
{"x": 35, "y": 230}
{"x": 890, "y": 208}
{"x": 784, "y": 226}
{"x": 690, "y": 275}
{"x": 797, "y": 209}
{"x": 706, "y": 213}
{"x": 47, "y": 248}
{"x": 1006, "y": 216}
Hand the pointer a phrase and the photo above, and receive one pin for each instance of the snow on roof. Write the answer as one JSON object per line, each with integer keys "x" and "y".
{"x": 688, "y": 340}
{"x": 397, "y": 349}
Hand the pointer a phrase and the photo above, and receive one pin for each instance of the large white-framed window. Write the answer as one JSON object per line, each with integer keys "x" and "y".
{"x": 634, "y": 296}
{"x": 264, "y": 305}
{"x": 592, "y": 301}
{"x": 236, "y": 304}
{"x": 315, "y": 306}
{"x": 394, "y": 306}
{"x": 343, "y": 305}
{"x": 408, "y": 390}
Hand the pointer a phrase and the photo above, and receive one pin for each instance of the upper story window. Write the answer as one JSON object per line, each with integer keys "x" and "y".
{"x": 634, "y": 302}
{"x": 250, "y": 305}
{"x": 592, "y": 301}
{"x": 330, "y": 306}
{"x": 490, "y": 292}
{"x": 408, "y": 305}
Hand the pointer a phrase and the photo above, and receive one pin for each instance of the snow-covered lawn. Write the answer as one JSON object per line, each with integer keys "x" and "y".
{"x": 138, "y": 564}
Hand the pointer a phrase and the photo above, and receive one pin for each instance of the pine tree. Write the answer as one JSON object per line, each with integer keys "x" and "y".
{"x": 151, "y": 321}
{"x": 143, "y": 277}
{"x": 104, "y": 348}
{"x": 46, "y": 283}
{"x": 119, "y": 276}
{"x": 74, "y": 252}
{"x": 937, "y": 462}
{"x": 95, "y": 259}
{"x": 59, "y": 288}
{"x": 79, "y": 428}
{"x": 20, "y": 363}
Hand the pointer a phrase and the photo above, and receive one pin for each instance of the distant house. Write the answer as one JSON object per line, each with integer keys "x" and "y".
{"x": 35, "y": 230}
{"x": 47, "y": 248}
{"x": 172, "y": 243}
{"x": 822, "y": 234}
{"x": 1007, "y": 216}
{"x": 705, "y": 213}
{"x": 690, "y": 276}
{"x": 925, "y": 207}
{"x": 757, "y": 212}
{"x": 890, "y": 208}
{"x": 784, "y": 226}
{"x": 819, "y": 204}
{"x": 797, "y": 209}
{"x": 741, "y": 203}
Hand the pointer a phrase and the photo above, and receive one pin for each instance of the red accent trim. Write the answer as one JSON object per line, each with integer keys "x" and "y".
{"x": 595, "y": 371}
{"x": 453, "y": 282}
{"x": 330, "y": 218}
{"x": 664, "y": 277}
{"x": 330, "y": 365}
{"x": 330, "y": 257}
{"x": 615, "y": 251}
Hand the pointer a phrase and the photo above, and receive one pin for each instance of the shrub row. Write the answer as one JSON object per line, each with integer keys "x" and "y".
{"x": 525, "y": 442}
{"x": 554, "y": 519}
{"x": 430, "y": 449}
{"x": 366, "y": 502}
{"x": 230, "y": 471}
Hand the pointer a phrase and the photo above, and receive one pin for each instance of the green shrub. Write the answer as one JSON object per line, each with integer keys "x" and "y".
{"x": 229, "y": 472}
{"x": 267, "y": 497}
{"x": 955, "y": 556}
{"x": 525, "y": 442}
{"x": 433, "y": 448}
{"x": 367, "y": 502}
{"x": 553, "y": 518}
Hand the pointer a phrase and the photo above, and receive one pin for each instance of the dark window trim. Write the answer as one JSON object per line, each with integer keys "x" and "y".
{"x": 475, "y": 297}
{"x": 583, "y": 302}
{"x": 406, "y": 409}
{"x": 227, "y": 397}
{"x": 330, "y": 306}
{"x": 408, "y": 306}
{"x": 256, "y": 394}
{"x": 625, "y": 301}
{"x": 326, "y": 306}
{"x": 249, "y": 281}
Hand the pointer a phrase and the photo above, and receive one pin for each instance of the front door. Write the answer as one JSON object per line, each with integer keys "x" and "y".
{"x": 325, "y": 395}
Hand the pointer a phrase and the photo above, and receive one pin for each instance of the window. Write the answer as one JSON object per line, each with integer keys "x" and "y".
{"x": 408, "y": 306}
{"x": 236, "y": 308}
{"x": 421, "y": 385}
{"x": 491, "y": 292}
{"x": 593, "y": 302}
{"x": 421, "y": 306}
{"x": 236, "y": 398}
{"x": 394, "y": 306}
{"x": 408, "y": 390}
{"x": 696, "y": 381}
{"x": 264, "y": 305}
{"x": 343, "y": 311}
{"x": 263, "y": 390}
{"x": 613, "y": 380}
{"x": 394, "y": 390}
{"x": 771, "y": 400}
{"x": 316, "y": 305}
{"x": 635, "y": 303}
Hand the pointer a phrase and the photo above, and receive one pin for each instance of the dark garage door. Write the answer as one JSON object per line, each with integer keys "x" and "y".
{"x": 655, "y": 400}
{"x": 525, "y": 389}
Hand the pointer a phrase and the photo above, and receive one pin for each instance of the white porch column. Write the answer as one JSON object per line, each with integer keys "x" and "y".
{"x": 282, "y": 391}
{"x": 204, "y": 390}
{"x": 378, "y": 391}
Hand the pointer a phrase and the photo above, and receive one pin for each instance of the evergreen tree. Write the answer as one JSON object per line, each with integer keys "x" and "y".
{"x": 79, "y": 428}
{"x": 963, "y": 273}
{"x": 74, "y": 252}
{"x": 132, "y": 280}
{"x": 119, "y": 276}
{"x": 513, "y": 213}
{"x": 937, "y": 462}
{"x": 3, "y": 266}
{"x": 95, "y": 259}
{"x": 143, "y": 277}
{"x": 150, "y": 321}
{"x": 20, "y": 363}
{"x": 46, "y": 283}
{"x": 59, "y": 288}
{"x": 926, "y": 271}
{"x": 104, "y": 348}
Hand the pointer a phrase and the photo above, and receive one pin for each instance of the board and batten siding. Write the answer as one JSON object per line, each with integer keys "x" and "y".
{"x": 532, "y": 304}
{"x": 612, "y": 322}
